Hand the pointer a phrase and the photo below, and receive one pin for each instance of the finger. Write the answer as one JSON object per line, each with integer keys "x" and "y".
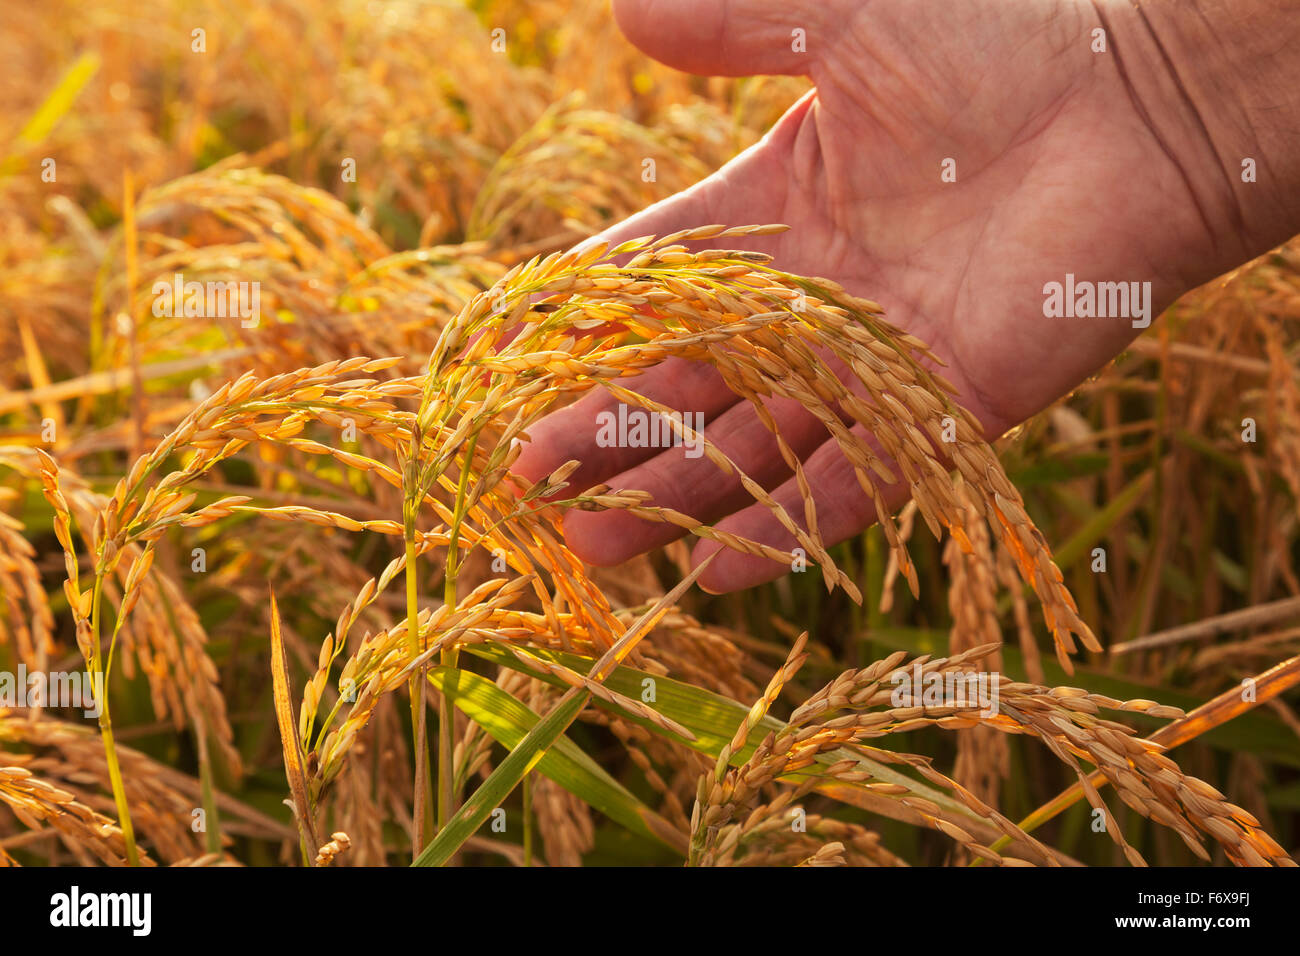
{"x": 569, "y": 433}
{"x": 725, "y": 37}
{"x": 683, "y": 479}
{"x": 572, "y": 432}
{"x": 750, "y": 189}
{"x": 843, "y": 510}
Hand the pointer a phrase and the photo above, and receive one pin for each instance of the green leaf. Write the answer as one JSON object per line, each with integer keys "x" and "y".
{"x": 55, "y": 107}
{"x": 523, "y": 758}
{"x": 508, "y": 720}
{"x": 711, "y": 717}
{"x": 517, "y": 765}
{"x": 1104, "y": 520}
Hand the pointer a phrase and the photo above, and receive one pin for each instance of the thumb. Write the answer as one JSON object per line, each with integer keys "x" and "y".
{"x": 751, "y": 189}
{"x": 725, "y": 37}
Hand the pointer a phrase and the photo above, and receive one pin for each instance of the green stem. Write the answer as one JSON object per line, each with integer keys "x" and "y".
{"x": 119, "y": 791}
{"x": 106, "y": 730}
{"x": 450, "y": 656}
{"x": 423, "y": 804}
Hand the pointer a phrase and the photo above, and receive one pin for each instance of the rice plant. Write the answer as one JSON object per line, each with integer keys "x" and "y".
{"x": 323, "y": 619}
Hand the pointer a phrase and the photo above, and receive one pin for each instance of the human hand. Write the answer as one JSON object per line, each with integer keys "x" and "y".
{"x": 1116, "y": 166}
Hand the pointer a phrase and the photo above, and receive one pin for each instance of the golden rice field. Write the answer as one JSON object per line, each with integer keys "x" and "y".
{"x": 320, "y": 621}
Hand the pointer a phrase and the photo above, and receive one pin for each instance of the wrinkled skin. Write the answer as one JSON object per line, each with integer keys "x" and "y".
{"x": 1115, "y": 166}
